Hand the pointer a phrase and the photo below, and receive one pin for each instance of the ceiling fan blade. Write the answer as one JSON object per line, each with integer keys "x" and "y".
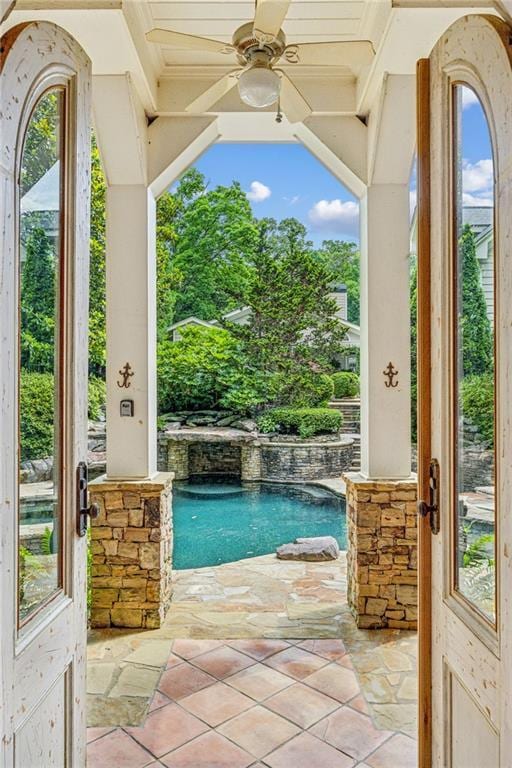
{"x": 187, "y": 42}
{"x": 348, "y": 53}
{"x": 209, "y": 97}
{"x": 293, "y": 103}
{"x": 269, "y": 18}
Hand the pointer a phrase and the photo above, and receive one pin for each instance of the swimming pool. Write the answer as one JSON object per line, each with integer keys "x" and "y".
{"x": 219, "y": 521}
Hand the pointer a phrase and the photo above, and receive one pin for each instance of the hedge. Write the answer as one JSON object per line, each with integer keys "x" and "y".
{"x": 346, "y": 384}
{"x": 477, "y": 394}
{"x": 305, "y": 422}
{"x": 36, "y": 415}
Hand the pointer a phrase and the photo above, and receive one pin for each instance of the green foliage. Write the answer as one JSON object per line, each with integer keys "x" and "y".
{"x": 40, "y": 149}
{"x": 305, "y": 422}
{"x": 168, "y": 276}
{"x": 474, "y": 326}
{"x": 342, "y": 260}
{"x": 293, "y": 332}
{"x": 38, "y": 293}
{"x": 477, "y": 395}
{"x": 37, "y": 407}
{"x": 195, "y": 372}
{"x": 216, "y": 235}
{"x": 97, "y": 267}
{"x": 322, "y": 389}
{"x": 346, "y": 384}
{"x": 97, "y": 397}
{"x": 476, "y": 552}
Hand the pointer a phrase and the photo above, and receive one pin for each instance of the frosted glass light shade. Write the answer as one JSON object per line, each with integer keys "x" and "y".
{"x": 259, "y": 87}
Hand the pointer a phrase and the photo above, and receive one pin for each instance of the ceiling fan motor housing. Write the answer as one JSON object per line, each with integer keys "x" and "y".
{"x": 249, "y": 50}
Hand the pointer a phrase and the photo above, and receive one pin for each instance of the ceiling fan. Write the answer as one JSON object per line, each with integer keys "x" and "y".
{"x": 259, "y": 46}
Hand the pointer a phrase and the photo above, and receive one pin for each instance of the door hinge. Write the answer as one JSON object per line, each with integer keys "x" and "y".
{"x": 431, "y": 508}
{"x": 82, "y": 493}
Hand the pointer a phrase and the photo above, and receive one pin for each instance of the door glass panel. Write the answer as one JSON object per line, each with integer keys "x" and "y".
{"x": 39, "y": 518}
{"x": 473, "y": 345}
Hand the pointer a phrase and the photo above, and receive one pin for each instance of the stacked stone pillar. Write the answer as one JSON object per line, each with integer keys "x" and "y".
{"x": 382, "y": 552}
{"x": 131, "y": 548}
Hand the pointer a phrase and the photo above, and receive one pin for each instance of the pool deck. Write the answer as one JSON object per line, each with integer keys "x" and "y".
{"x": 260, "y": 599}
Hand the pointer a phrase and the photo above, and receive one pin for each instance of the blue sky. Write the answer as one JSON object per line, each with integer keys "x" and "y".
{"x": 285, "y": 180}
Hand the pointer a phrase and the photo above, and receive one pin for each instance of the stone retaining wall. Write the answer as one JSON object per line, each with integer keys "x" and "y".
{"x": 131, "y": 547}
{"x": 254, "y": 457}
{"x": 305, "y": 461}
{"x": 382, "y": 552}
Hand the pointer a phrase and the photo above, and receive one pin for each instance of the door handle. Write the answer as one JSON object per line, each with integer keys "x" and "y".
{"x": 83, "y": 509}
{"x": 431, "y": 508}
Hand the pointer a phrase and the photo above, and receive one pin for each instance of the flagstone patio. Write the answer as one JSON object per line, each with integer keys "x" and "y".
{"x": 258, "y": 660}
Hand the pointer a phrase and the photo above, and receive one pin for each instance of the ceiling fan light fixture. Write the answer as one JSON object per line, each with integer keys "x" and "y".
{"x": 259, "y": 87}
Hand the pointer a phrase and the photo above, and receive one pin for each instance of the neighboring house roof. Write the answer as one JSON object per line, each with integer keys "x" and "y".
{"x": 45, "y": 194}
{"x": 237, "y": 315}
{"x": 479, "y": 218}
{"x": 190, "y": 321}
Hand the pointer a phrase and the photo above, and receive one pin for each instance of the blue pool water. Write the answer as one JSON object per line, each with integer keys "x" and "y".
{"x": 217, "y": 521}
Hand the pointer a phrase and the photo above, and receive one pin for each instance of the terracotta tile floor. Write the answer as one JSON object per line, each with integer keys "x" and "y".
{"x": 260, "y": 703}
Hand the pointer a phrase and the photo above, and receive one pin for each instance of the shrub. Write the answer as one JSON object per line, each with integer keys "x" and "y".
{"x": 196, "y": 371}
{"x": 97, "y": 397}
{"x": 37, "y": 411}
{"x": 305, "y": 422}
{"x": 314, "y": 389}
{"x": 477, "y": 394}
{"x": 346, "y": 384}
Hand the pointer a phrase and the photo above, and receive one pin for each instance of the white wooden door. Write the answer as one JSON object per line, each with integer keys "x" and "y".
{"x": 471, "y": 393}
{"x": 44, "y": 208}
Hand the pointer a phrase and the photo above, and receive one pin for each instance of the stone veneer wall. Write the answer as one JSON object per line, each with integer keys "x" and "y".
{"x": 382, "y": 552}
{"x": 284, "y": 461}
{"x": 214, "y": 458}
{"x": 131, "y": 546}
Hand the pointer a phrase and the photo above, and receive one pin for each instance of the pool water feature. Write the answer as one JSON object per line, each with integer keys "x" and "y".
{"x": 220, "y": 521}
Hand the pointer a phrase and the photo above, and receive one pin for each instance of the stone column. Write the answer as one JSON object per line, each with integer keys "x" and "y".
{"x": 382, "y": 552}
{"x": 131, "y": 547}
{"x": 177, "y": 459}
{"x": 250, "y": 461}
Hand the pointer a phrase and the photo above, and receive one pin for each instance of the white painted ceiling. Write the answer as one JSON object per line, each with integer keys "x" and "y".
{"x": 307, "y": 21}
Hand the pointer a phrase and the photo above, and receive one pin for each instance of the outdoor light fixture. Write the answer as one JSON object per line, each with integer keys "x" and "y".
{"x": 259, "y": 86}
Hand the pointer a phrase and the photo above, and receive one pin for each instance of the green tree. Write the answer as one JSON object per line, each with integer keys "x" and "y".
{"x": 40, "y": 148}
{"x": 474, "y": 326}
{"x": 97, "y": 267}
{"x": 293, "y": 333}
{"x": 342, "y": 259}
{"x": 215, "y": 238}
{"x": 38, "y": 303}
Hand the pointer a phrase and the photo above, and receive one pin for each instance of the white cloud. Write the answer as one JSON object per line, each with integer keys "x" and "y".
{"x": 477, "y": 177}
{"x": 336, "y": 216}
{"x": 473, "y": 200}
{"x": 258, "y": 192}
{"x": 292, "y": 200}
{"x": 469, "y": 98}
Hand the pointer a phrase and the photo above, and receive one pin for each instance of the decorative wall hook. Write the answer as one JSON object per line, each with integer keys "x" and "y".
{"x": 126, "y": 374}
{"x": 390, "y": 374}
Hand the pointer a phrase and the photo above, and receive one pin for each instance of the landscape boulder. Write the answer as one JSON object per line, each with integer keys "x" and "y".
{"x": 313, "y": 549}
